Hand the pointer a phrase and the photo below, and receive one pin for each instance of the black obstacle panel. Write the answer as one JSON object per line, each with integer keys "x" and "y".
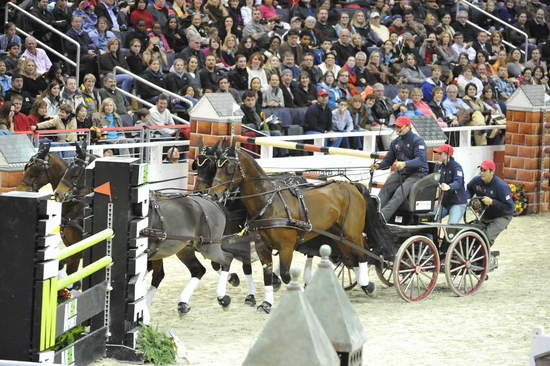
{"x": 127, "y": 298}
{"x": 21, "y": 271}
{"x": 80, "y": 308}
{"x": 427, "y": 128}
{"x": 84, "y": 351}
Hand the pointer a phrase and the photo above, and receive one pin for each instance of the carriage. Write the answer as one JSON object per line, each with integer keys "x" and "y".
{"x": 425, "y": 248}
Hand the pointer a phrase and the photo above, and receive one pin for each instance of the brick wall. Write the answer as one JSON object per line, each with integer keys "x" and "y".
{"x": 523, "y": 154}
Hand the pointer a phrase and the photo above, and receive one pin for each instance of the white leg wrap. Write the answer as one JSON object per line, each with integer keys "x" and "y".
{"x": 276, "y": 268}
{"x": 269, "y": 294}
{"x": 250, "y": 284}
{"x": 363, "y": 274}
{"x": 308, "y": 270}
{"x": 149, "y": 296}
{"x": 222, "y": 284}
{"x": 146, "y": 315}
{"x": 187, "y": 292}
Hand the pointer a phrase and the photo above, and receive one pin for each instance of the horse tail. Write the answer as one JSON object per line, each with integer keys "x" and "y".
{"x": 379, "y": 237}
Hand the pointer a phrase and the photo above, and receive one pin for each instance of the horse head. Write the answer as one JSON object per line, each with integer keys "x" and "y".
{"x": 72, "y": 182}
{"x": 42, "y": 168}
{"x": 205, "y": 164}
{"x": 228, "y": 171}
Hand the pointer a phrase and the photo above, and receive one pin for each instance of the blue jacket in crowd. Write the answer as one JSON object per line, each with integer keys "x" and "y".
{"x": 411, "y": 149}
{"x": 453, "y": 175}
{"x": 499, "y": 191}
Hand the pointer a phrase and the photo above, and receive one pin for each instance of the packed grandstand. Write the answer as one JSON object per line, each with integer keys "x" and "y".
{"x": 458, "y": 61}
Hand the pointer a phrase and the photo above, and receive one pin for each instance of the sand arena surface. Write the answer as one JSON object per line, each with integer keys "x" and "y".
{"x": 493, "y": 327}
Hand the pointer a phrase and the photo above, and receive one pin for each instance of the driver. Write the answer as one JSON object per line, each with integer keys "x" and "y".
{"x": 451, "y": 183}
{"x": 497, "y": 198}
{"x": 407, "y": 155}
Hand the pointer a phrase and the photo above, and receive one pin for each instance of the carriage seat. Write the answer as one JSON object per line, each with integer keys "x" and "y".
{"x": 422, "y": 196}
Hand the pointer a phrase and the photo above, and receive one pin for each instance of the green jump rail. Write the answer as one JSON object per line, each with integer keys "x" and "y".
{"x": 84, "y": 272}
{"x": 85, "y": 243}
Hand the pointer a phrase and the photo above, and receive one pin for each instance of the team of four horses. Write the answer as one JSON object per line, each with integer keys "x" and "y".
{"x": 236, "y": 205}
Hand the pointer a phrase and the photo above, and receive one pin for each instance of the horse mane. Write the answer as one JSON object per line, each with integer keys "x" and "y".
{"x": 249, "y": 166}
{"x": 54, "y": 157}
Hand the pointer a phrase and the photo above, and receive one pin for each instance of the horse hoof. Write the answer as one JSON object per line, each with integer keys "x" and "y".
{"x": 183, "y": 308}
{"x": 264, "y": 308}
{"x": 234, "y": 280}
{"x": 224, "y": 301}
{"x": 276, "y": 283}
{"x": 369, "y": 289}
{"x": 250, "y": 300}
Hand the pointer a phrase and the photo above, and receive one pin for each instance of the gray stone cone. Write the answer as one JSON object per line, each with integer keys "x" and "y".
{"x": 333, "y": 308}
{"x": 293, "y": 336}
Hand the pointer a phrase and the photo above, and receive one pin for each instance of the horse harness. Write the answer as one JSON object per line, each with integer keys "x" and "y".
{"x": 303, "y": 225}
{"x": 45, "y": 164}
{"x": 161, "y": 234}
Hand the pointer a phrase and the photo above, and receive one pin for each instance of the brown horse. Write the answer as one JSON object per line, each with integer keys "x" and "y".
{"x": 44, "y": 168}
{"x": 284, "y": 221}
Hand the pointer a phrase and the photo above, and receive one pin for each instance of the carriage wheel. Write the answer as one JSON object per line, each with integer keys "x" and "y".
{"x": 346, "y": 276}
{"x": 416, "y": 268}
{"x": 467, "y": 263}
{"x": 384, "y": 270}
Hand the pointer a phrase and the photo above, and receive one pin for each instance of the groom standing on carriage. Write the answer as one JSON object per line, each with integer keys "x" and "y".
{"x": 407, "y": 155}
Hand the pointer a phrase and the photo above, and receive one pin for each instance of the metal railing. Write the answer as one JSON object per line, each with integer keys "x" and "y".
{"x": 139, "y": 143}
{"x": 149, "y": 104}
{"x": 489, "y": 33}
{"x": 150, "y": 84}
{"x": 497, "y": 19}
{"x": 76, "y": 63}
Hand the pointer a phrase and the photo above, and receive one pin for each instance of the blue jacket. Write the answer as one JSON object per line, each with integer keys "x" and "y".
{"x": 411, "y": 149}
{"x": 503, "y": 205}
{"x": 5, "y": 81}
{"x": 428, "y": 87}
{"x": 318, "y": 118}
{"x": 452, "y": 174}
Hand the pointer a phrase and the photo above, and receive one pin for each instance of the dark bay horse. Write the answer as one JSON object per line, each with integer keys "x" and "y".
{"x": 179, "y": 225}
{"x": 44, "y": 168}
{"x": 285, "y": 218}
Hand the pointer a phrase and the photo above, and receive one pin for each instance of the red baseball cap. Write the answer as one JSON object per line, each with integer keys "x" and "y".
{"x": 402, "y": 121}
{"x": 488, "y": 165}
{"x": 446, "y": 148}
{"x": 322, "y": 92}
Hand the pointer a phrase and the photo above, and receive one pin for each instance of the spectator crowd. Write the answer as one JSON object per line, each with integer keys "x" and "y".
{"x": 347, "y": 65}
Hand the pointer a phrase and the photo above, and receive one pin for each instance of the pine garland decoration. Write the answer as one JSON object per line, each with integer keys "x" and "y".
{"x": 156, "y": 346}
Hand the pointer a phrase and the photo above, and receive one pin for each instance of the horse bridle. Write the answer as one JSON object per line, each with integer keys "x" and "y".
{"x": 201, "y": 161}
{"x": 38, "y": 164}
{"x": 73, "y": 184}
{"x": 232, "y": 170}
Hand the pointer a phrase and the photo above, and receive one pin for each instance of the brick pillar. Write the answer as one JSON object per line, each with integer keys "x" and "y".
{"x": 9, "y": 180}
{"x": 523, "y": 154}
{"x": 211, "y": 132}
